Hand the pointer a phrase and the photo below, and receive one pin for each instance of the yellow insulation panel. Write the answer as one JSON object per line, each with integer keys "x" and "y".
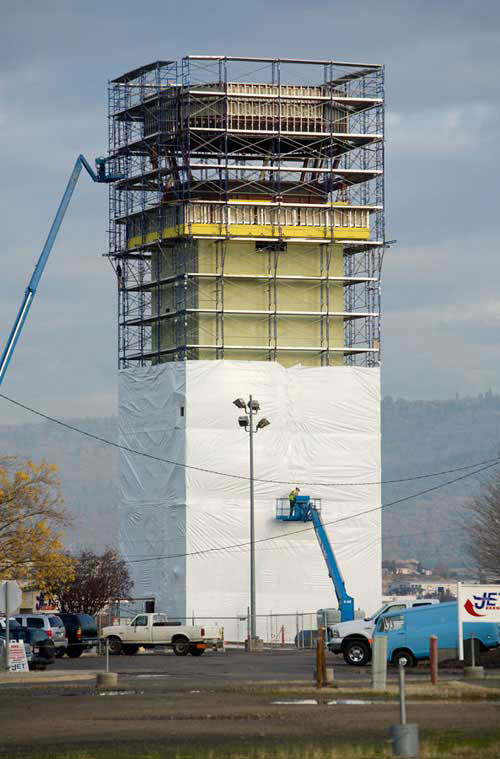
{"x": 242, "y": 258}
{"x": 254, "y": 230}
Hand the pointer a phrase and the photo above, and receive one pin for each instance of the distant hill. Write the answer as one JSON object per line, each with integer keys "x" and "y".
{"x": 417, "y": 437}
{"x": 88, "y": 471}
{"x": 430, "y": 436}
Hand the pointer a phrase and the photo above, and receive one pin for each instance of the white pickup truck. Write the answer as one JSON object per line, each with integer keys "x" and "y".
{"x": 150, "y": 630}
{"x": 353, "y": 639}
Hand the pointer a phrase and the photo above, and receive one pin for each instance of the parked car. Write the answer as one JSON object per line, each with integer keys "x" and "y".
{"x": 353, "y": 639}
{"x": 52, "y": 625}
{"x": 408, "y": 632}
{"x": 81, "y": 632}
{"x": 40, "y": 649}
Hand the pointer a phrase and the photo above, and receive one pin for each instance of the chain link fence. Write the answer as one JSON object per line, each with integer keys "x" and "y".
{"x": 296, "y": 629}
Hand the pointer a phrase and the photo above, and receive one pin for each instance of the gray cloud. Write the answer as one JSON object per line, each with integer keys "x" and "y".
{"x": 442, "y": 65}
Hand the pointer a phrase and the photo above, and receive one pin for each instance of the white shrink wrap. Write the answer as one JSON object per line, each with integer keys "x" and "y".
{"x": 325, "y": 428}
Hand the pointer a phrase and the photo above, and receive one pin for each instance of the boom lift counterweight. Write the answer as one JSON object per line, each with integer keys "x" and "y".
{"x": 100, "y": 176}
{"x": 306, "y": 509}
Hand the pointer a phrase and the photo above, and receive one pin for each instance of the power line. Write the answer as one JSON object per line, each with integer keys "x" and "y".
{"x": 125, "y": 448}
{"x": 427, "y": 532}
{"x": 308, "y": 529}
{"x": 343, "y": 543}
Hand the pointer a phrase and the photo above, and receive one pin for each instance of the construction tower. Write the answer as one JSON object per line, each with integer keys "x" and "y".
{"x": 247, "y": 231}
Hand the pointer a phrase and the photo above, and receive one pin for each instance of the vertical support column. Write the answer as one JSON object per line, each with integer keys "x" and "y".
{"x": 221, "y": 259}
{"x": 320, "y": 658}
{"x": 379, "y": 662}
{"x": 276, "y": 258}
{"x": 7, "y": 629}
{"x": 217, "y": 298}
{"x": 157, "y": 275}
{"x": 322, "y": 336}
{"x": 433, "y": 656}
{"x": 270, "y": 303}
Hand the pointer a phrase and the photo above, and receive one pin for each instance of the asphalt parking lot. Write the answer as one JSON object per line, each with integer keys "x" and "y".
{"x": 230, "y": 699}
{"x": 233, "y": 665}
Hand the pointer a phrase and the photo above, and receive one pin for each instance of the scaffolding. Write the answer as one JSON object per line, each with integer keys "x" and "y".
{"x": 249, "y": 222}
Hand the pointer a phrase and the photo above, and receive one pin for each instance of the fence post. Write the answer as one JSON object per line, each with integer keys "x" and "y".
{"x": 282, "y": 636}
{"x": 320, "y": 658}
{"x": 433, "y": 655}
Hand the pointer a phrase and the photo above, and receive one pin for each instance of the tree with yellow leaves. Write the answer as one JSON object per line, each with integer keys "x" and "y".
{"x": 32, "y": 516}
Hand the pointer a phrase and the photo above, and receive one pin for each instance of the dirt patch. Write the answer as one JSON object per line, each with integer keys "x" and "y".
{"x": 214, "y": 719}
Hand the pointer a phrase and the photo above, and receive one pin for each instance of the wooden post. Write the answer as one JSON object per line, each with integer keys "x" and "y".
{"x": 433, "y": 655}
{"x": 320, "y": 658}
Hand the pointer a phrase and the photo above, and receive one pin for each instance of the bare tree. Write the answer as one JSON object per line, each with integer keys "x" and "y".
{"x": 98, "y": 580}
{"x": 484, "y": 527}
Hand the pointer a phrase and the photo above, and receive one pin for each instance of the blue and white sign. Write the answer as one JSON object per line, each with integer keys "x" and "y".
{"x": 479, "y": 603}
{"x": 476, "y": 603}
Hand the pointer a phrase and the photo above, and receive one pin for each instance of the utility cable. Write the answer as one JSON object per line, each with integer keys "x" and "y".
{"x": 308, "y": 529}
{"x": 427, "y": 532}
{"x": 125, "y": 448}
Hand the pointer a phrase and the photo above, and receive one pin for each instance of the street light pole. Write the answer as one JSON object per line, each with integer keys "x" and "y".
{"x": 251, "y": 408}
{"x": 253, "y": 621}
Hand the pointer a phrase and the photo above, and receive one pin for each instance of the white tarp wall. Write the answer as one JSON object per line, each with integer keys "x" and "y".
{"x": 325, "y": 427}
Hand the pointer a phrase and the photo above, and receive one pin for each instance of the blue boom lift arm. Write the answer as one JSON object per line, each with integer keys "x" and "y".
{"x": 100, "y": 176}
{"x": 306, "y": 509}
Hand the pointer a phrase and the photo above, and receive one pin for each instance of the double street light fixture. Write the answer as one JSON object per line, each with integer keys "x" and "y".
{"x": 251, "y": 407}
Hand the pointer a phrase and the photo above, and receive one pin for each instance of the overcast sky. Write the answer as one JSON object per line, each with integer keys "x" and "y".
{"x": 441, "y": 301}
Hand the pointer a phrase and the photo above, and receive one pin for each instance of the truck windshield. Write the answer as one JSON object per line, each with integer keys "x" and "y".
{"x": 373, "y": 616}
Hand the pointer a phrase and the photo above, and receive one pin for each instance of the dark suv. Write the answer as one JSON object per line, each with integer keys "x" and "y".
{"x": 40, "y": 650}
{"x": 81, "y": 631}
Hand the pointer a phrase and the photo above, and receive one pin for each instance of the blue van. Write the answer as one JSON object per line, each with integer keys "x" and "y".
{"x": 408, "y": 632}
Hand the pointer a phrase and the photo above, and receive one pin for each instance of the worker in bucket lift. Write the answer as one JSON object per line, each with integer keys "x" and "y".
{"x": 293, "y": 495}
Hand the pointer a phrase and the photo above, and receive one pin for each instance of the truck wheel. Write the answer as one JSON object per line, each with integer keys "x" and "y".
{"x": 130, "y": 650}
{"x": 357, "y": 653}
{"x": 115, "y": 645}
{"x": 196, "y": 651}
{"x": 181, "y": 647}
{"x": 74, "y": 653}
{"x": 405, "y": 657}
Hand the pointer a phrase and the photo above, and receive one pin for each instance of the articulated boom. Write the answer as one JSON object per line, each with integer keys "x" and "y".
{"x": 306, "y": 509}
{"x": 100, "y": 176}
